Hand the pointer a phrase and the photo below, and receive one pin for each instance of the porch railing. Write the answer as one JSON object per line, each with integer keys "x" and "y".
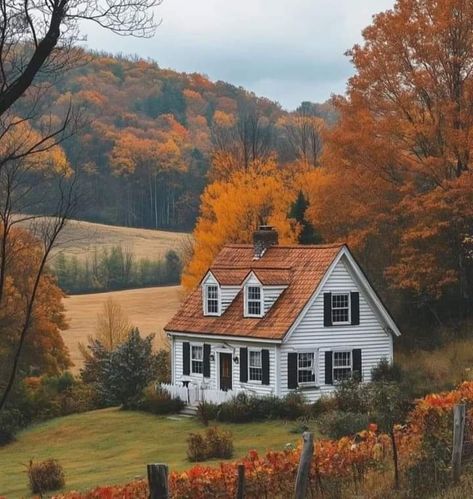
{"x": 194, "y": 394}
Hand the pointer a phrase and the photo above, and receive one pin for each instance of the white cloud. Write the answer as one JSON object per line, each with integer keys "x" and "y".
{"x": 288, "y": 50}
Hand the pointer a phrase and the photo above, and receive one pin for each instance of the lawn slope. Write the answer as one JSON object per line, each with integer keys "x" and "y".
{"x": 112, "y": 446}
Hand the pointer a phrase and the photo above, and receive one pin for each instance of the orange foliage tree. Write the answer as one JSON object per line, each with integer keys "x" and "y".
{"x": 398, "y": 163}
{"x": 232, "y": 209}
{"x": 44, "y": 349}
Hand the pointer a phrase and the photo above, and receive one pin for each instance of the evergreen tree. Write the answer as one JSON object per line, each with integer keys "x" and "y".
{"x": 309, "y": 234}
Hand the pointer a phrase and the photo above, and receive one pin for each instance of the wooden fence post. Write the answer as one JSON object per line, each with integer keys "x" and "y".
{"x": 241, "y": 482}
{"x": 458, "y": 432}
{"x": 302, "y": 478}
{"x": 158, "y": 481}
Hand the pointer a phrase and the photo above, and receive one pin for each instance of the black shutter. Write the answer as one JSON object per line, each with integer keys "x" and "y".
{"x": 355, "y": 308}
{"x": 186, "y": 358}
{"x": 327, "y": 309}
{"x": 292, "y": 370}
{"x": 206, "y": 360}
{"x": 357, "y": 366}
{"x": 265, "y": 365}
{"x": 328, "y": 368}
{"x": 243, "y": 365}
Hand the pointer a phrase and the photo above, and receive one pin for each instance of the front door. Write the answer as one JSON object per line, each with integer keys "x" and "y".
{"x": 225, "y": 371}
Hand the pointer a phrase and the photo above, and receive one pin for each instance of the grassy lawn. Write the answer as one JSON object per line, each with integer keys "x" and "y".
{"x": 111, "y": 446}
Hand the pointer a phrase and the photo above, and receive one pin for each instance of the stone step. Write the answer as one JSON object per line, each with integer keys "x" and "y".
{"x": 189, "y": 410}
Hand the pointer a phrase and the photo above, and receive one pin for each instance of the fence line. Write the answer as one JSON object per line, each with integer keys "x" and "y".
{"x": 193, "y": 394}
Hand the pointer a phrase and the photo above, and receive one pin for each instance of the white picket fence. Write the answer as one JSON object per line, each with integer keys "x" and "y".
{"x": 194, "y": 394}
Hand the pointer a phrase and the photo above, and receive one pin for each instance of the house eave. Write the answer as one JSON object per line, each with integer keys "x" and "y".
{"x": 235, "y": 337}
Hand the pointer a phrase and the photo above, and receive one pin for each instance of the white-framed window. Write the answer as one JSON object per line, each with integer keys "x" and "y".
{"x": 255, "y": 365}
{"x": 212, "y": 301}
{"x": 342, "y": 365}
{"x": 306, "y": 367}
{"x": 254, "y": 301}
{"x": 197, "y": 359}
{"x": 341, "y": 308}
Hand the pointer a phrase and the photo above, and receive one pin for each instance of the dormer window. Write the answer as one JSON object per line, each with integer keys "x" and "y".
{"x": 211, "y": 300}
{"x": 253, "y": 301}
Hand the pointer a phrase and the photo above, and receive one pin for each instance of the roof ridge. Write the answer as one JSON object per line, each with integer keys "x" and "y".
{"x": 291, "y": 246}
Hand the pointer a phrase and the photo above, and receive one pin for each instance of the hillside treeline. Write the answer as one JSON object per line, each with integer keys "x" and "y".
{"x": 145, "y": 148}
{"x": 113, "y": 269}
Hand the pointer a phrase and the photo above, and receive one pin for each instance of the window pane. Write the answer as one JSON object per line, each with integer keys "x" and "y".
{"x": 212, "y": 299}
{"x": 254, "y": 307}
{"x": 197, "y": 352}
{"x": 306, "y": 365}
{"x": 342, "y": 359}
{"x": 212, "y": 306}
{"x": 255, "y": 359}
{"x": 254, "y": 293}
{"x": 340, "y": 307}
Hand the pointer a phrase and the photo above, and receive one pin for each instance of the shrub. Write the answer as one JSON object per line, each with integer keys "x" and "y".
{"x": 338, "y": 424}
{"x": 123, "y": 374}
{"x": 218, "y": 443}
{"x": 215, "y": 443}
{"x": 45, "y": 476}
{"x": 196, "y": 450}
{"x": 351, "y": 396}
{"x": 322, "y": 405}
{"x": 158, "y": 401}
{"x": 292, "y": 406}
{"x": 387, "y": 372}
{"x": 207, "y": 411}
{"x": 9, "y": 425}
{"x": 245, "y": 408}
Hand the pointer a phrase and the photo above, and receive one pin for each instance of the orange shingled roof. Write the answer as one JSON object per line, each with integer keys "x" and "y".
{"x": 300, "y": 268}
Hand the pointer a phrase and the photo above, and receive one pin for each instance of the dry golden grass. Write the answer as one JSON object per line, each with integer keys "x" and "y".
{"x": 148, "y": 309}
{"x": 80, "y": 239}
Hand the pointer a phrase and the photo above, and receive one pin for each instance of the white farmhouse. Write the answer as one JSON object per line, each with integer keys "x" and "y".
{"x": 269, "y": 319}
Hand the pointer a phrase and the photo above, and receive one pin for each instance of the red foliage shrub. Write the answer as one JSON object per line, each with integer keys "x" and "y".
{"x": 273, "y": 475}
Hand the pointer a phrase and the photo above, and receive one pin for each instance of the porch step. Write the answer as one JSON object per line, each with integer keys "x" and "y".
{"x": 189, "y": 410}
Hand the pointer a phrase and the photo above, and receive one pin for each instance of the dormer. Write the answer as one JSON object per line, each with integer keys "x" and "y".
{"x": 253, "y": 297}
{"x": 211, "y": 296}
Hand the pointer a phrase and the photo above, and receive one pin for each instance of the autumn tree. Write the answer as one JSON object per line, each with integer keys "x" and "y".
{"x": 38, "y": 46}
{"x": 302, "y": 137}
{"x": 239, "y": 143}
{"x": 112, "y": 326}
{"x": 399, "y": 162}
{"x": 232, "y": 210}
{"x": 44, "y": 351}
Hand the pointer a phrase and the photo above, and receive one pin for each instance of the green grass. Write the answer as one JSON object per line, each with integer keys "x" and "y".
{"x": 112, "y": 446}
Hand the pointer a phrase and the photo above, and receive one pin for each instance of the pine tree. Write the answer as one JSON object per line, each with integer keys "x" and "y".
{"x": 308, "y": 234}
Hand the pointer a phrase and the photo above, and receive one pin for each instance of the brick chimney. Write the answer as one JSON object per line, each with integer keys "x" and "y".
{"x": 263, "y": 238}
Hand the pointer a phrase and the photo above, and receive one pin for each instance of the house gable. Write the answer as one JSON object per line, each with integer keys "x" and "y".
{"x": 359, "y": 283}
{"x": 370, "y": 339}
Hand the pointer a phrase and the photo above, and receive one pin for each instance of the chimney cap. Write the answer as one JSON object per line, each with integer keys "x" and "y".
{"x": 263, "y": 238}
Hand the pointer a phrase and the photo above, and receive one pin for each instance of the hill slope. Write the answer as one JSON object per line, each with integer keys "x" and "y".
{"x": 148, "y": 309}
{"x": 81, "y": 239}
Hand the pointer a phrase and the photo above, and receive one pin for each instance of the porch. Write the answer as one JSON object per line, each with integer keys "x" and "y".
{"x": 194, "y": 394}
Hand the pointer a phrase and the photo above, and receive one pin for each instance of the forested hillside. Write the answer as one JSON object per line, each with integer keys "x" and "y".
{"x": 145, "y": 149}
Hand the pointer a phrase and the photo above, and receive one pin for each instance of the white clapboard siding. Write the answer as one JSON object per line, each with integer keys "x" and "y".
{"x": 270, "y": 295}
{"x": 227, "y": 295}
{"x": 310, "y": 334}
{"x": 216, "y": 347}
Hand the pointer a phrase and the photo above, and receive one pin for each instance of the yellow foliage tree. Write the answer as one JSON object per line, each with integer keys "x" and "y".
{"x": 232, "y": 209}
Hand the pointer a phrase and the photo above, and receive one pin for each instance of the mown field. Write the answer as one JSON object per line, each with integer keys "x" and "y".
{"x": 111, "y": 446}
{"x": 81, "y": 239}
{"x": 148, "y": 309}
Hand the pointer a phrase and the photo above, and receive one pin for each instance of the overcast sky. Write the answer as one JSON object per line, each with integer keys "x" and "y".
{"x": 287, "y": 50}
